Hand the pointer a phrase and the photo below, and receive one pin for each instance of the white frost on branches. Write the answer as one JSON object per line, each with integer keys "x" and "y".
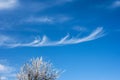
{"x": 37, "y": 69}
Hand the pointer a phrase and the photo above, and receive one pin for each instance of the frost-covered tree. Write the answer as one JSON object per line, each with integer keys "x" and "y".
{"x": 37, "y": 69}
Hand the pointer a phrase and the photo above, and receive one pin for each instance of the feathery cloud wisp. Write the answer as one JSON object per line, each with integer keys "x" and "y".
{"x": 7, "y": 4}
{"x": 6, "y": 72}
{"x": 115, "y": 4}
{"x": 48, "y": 19}
{"x": 79, "y": 28}
{"x": 40, "y": 19}
{"x": 5, "y": 69}
{"x": 3, "y": 78}
{"x": 2, "y": 67}
{"x": 64, "y": 41}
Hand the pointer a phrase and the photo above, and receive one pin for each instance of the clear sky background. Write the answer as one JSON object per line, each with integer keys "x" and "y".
{"x": 81, "y": 37}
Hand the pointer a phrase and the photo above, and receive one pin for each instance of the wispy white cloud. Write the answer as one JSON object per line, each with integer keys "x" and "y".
{"x": 115, "y": 4}
{"x": 2, "y": 68}
{"x": 8, "y": 4}
{"x": 9, "y": 76}
{"x": 6, "y": 71}
{"x": 79, "y": 28}
{"x": 48, "y": 19}
{"x": 3, "y": 78}
{"x": 43, "y": 5}
{"x": 5, "y": 40}
{"x": 63, "y": 41}
{"x": 43, "y": 19}
{"x": 62, "y": 19}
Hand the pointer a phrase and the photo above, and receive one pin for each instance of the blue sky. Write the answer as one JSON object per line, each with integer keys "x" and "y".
{"x": 78, "y": 36}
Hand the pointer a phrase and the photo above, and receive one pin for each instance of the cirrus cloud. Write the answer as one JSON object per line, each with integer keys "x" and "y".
{"x": 48, "y": 19}
{"x": 45, "y": 41}
{"x": 7, "y": 72}
{"x": 116, "y": 4}
{"x": 7, "y": 4}
{"x": 5, "y": 69}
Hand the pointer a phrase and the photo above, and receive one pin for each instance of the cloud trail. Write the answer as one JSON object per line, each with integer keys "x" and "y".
{"x": 67, "y": 40}
{"x": 5, "y": 69}
{"x": 7, "y": 72}
{"x": 7, "y": 4}
{"x": 48, "y": 19}
{"x": 115, "y": 4}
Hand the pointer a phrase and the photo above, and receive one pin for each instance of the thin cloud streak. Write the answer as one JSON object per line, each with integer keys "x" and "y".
{"x": 7, "y": 72}
{"x": 67, "y": 40}
{"x": 48, "y": 19}
{"x": 5, "y": 69}
{"x": 3, "y": 78}
{"x": 40, "y": 19}
{"x": 8, "y": 4}
{"x": 115, "y": 4}
{"x": 43, "y": 5}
